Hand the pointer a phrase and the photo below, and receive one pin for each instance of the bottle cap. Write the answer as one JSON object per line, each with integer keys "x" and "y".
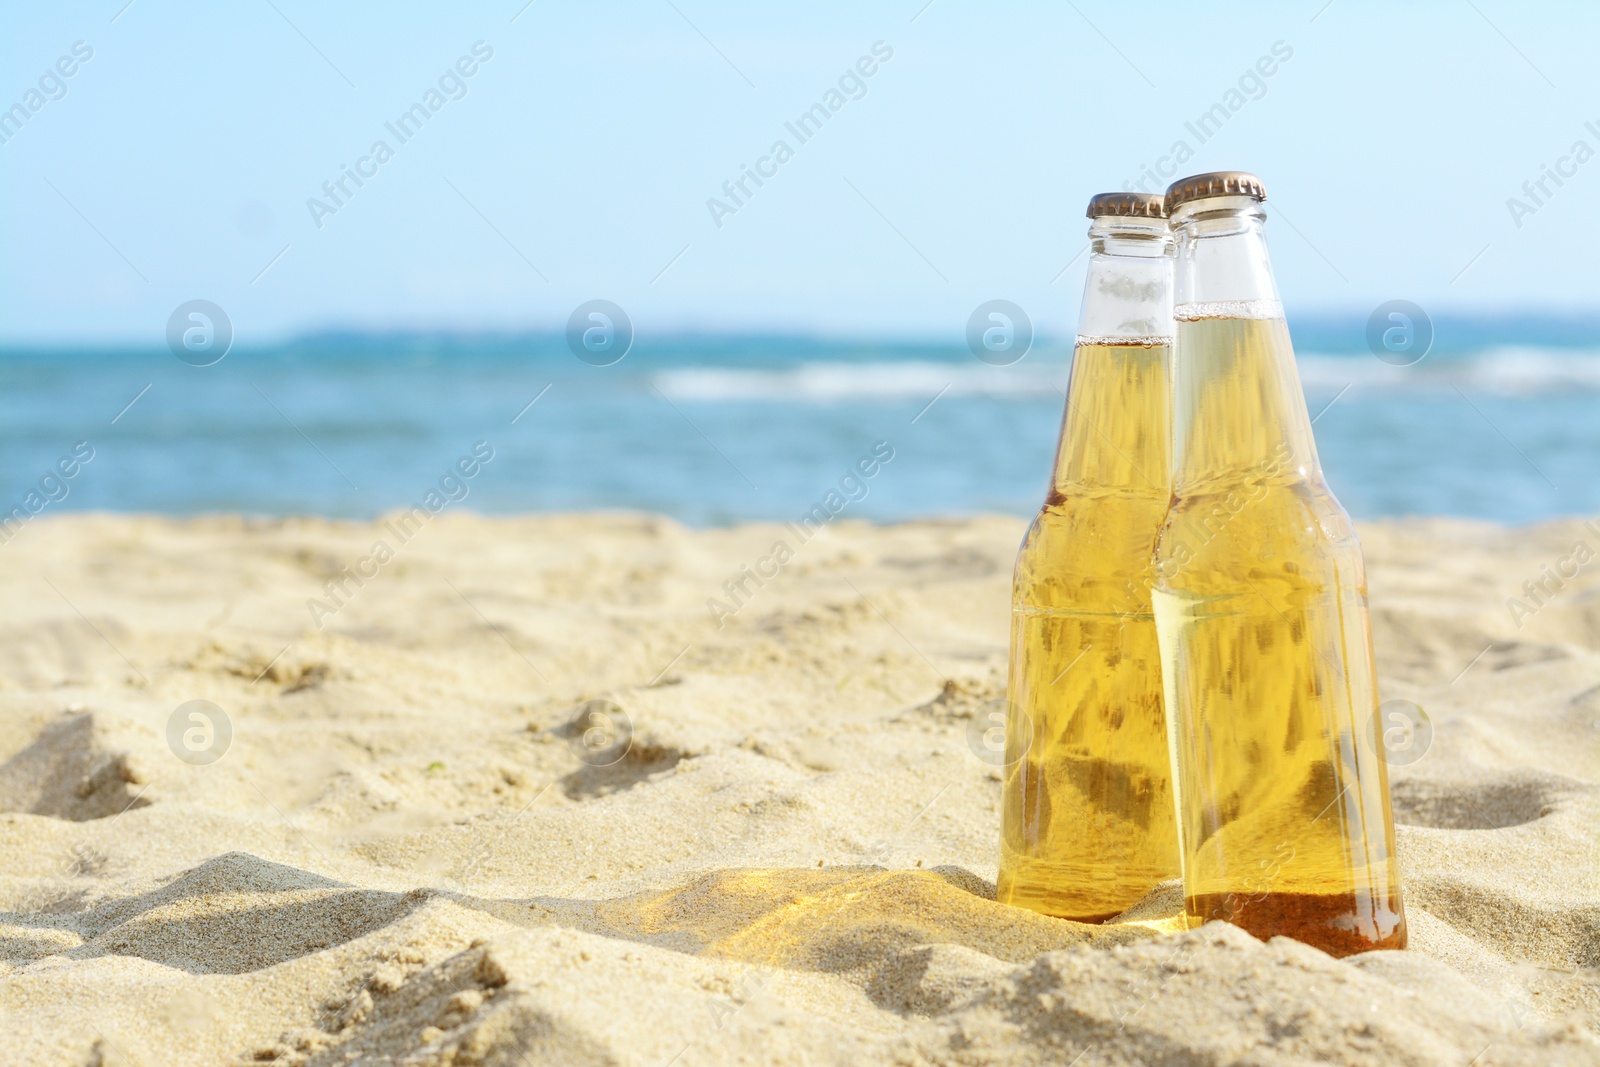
{"x": 1129, "y": 205}
{"x": 1216, "y": 183}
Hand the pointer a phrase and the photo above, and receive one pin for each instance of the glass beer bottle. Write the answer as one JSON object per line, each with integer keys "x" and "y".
{"x": 1087, "y": 826}
{"x": 1261, "y": 604}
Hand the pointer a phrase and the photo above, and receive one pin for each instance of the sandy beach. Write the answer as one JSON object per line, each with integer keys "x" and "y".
{"x": 521, "y": 796}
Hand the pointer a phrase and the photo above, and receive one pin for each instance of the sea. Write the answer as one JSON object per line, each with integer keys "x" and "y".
{"x": 1500, "y": 420}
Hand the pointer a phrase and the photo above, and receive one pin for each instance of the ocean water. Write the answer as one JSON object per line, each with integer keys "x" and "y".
{"x": 1498, "y": 422}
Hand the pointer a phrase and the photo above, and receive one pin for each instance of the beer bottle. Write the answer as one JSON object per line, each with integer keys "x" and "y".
{"x": 1087, "y": 820}
{"x": 1261, "y": 604}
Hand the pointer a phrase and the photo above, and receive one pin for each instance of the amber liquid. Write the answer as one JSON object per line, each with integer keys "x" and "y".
{"x": 1087, "y": 825}
{"x": 1261, "y": 603}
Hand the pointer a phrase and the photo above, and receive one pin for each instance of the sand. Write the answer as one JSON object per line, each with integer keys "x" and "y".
{"x": 428, "y": 839}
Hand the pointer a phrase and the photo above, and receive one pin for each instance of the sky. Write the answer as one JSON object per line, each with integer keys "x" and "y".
{"x": 186, "y": 154}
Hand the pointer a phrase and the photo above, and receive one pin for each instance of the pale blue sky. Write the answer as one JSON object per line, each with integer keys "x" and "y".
{"x": 179, "y": 161}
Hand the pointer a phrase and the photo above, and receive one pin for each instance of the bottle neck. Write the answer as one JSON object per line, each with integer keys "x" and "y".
{"x": 1127, "y": 294}
{"x": 1239, "y": 414}
{"x": 1115, "y": 433}
{"x": 1221, "y": 255}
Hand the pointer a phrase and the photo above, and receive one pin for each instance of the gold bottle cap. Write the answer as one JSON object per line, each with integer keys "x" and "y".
{"x": 1128, "y": 205}
{"x": 1216, "y": 183}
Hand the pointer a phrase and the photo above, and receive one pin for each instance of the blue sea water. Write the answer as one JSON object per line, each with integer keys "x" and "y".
{"x": 1498, "y": 422}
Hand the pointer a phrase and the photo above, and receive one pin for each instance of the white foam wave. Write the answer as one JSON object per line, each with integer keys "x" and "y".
{"x": 1500, "y": 371}
{"x": 1506, "y": 372}
{"x": 861, "y": 381}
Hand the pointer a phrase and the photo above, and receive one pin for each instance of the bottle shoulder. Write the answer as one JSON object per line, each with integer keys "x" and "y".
{"x": 1297, "y": 528}
{"x": 1094, "y": 517}
{"x": 1091, "y": 554}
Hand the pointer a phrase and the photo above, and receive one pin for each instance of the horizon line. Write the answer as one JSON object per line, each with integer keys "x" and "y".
{"x": 1553, "y": 319}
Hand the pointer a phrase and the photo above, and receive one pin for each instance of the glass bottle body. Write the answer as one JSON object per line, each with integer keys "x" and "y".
{"x": 1087, "y": 820}
{"x": 1260, "y": 602}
